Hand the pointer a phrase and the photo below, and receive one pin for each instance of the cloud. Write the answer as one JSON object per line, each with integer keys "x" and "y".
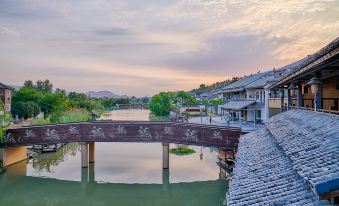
{"x": 161, "y": 44}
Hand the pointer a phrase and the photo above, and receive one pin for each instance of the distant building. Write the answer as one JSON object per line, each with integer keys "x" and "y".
{"x": 292, "y": 160}
{"x": 6, "y": 96}
{"x": 312, "y": 83}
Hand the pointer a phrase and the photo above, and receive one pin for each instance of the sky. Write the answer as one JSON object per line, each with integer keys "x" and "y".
{"x": 141, "y": 47}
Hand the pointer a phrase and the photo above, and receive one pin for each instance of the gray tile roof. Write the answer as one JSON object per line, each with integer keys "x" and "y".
{"x": 291, "y": 161}
{"x": 311, "y": 141}
{"x": 237, "y": 105}
{"x": 4, "y": 86}
{"x": 241, "y": 83}
{"x": 263, "y": 81}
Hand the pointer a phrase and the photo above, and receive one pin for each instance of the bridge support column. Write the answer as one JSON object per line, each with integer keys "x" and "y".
{"x": 84, "y": 154}
{"x": 11, "y": 155}
{"x": 91, "y": 148}
{"x": 165, "y": 155}
{"x": 165, "y": 180}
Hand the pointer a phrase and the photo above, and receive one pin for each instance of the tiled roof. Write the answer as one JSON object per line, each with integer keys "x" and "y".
{"x": 263, "y": 81}
{"x": 292, "y": 160}
{"x": 311, "y": 142}
{"x": 241, "y": 83}
{"x": 4, "y": 86}
{"x": 304, "y": 65}
{"x": 237, "y": 105}
{"x": 264, "y": 176}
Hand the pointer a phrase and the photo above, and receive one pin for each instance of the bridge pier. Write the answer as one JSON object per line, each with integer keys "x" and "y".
{"x": 87, "y": 153}
{"x": 84, "y": 154}
{"x": 11, "y": 155}
{"x": 165, "y": 155}
{"x": 165, "y": 180}
{"x": 91, "y": 152}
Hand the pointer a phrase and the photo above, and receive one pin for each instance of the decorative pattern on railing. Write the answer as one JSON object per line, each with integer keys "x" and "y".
{"x": 124, "y": 131}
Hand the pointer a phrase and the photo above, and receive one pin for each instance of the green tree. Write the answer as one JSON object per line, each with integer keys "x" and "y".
{"x": 25, "y": 109}
{"x": 44, "y": 86}
{"x": 161, "y": 104}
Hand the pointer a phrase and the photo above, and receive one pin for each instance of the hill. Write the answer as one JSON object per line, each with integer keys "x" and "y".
{"x": 105, "y": 94}
{"x": 213, "y": 87}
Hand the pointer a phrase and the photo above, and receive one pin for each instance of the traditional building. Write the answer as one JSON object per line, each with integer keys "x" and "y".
{"x": 245, "y": 99}
{"x": 292, "y": 160}
{"x": 5, "y": 96}
{"x": 312, "y": 83}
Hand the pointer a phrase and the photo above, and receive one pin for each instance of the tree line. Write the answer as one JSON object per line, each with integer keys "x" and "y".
{"x": 34, "y": 98}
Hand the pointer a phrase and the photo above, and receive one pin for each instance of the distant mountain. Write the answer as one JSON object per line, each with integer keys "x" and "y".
{"x": 16, "y": 87}
{"x": 105, "y": 94}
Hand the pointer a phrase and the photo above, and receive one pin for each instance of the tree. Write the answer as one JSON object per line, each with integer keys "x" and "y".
{"x": 25, "y": 109}
{"x": 161, "y": 104}
{"x": 29, "y": 84}
{"x": 44, "y": 86}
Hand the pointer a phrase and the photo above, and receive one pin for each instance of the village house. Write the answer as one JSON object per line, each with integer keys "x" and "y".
{"x": 313, "y": 83}
{"x": 246, "y": 99}
{"x": 293, "y": 158}
{"x": 5, "y": 96}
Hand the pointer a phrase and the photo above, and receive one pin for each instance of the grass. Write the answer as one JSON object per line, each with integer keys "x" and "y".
{"x": 182, "y": 150}
{"x": 72, "y": 115}
{"x": 153, "y": 117}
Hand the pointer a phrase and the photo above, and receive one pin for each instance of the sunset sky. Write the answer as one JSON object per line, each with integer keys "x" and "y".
{"x": 140, "y": 47}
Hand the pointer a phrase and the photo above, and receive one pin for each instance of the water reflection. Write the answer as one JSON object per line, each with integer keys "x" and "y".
{"x": 44, "y": 162}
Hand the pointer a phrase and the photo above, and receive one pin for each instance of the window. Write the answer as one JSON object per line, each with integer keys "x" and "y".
{"x": 257, "y": 96}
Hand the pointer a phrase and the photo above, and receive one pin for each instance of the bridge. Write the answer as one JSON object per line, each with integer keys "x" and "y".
{"x": 123, "y": 131}
{"x": 133, "y": 106}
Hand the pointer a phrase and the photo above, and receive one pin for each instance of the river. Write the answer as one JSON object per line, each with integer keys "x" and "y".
{"x": 124, "y": 174}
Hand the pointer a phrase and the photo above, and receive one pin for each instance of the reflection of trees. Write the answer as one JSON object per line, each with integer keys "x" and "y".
{"x": 46, "y": 161}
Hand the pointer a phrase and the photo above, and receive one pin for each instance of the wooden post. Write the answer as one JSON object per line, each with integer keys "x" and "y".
{"x": 165, "y": 155}
{"x": 282, "y": 97}
{"x": 318, "y": 99}
{"x": 84, "y": 154}
{"x": 289, "y": 99}
{"x": 300, "y": 96}
{"x": 240, "y": 119}
{"x": 255, "y": 116}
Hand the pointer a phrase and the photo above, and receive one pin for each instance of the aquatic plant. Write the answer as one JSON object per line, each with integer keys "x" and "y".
{"x": 182, "y": 150}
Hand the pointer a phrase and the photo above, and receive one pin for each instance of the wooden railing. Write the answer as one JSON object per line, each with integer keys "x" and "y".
{"x": 318, "y": 110}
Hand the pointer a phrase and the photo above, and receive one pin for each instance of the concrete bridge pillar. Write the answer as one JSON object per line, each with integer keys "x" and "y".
{"x": 11, "y": 155}
{"x": 91, "y": 148}
{"x": 165, "y": 155}
{"x": 84, "y": 154}
{"x": 165, "y": 180}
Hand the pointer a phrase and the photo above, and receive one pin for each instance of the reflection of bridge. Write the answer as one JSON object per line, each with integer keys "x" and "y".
{"x": 15, "y": 190}
{"x": 133, "y": 106}
{"x": 123, "y": 131}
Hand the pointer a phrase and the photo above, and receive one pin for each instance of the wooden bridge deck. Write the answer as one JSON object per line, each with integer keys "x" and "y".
{"x": 125, "y": 131}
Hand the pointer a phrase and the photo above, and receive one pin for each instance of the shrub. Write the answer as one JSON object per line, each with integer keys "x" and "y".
{"x": 182, "y": 150}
